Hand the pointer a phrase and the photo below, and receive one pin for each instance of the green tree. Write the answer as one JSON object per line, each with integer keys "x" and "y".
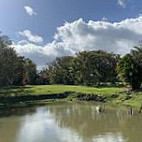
{"x": 86, "y": 68}
{"x": 14, "y": 68}
{"x": 130, "y": 68}
{"x": 9, "y": 63}
{"x": 30, "y": 71}
{"x": 95, "y": 67}
{"x": 43, "y": 77}
{"x": 60, "y": 71}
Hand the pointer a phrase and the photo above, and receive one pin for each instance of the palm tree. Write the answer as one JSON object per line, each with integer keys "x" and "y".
{"x": 137, "y": 49}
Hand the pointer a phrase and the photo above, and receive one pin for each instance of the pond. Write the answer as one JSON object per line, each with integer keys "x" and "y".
{"x": 70, "y": 122}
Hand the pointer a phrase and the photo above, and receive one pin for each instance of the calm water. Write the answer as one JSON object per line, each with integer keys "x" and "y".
{"x": 70, "y": 122}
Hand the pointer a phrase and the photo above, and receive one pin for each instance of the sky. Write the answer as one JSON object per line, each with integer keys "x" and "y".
{"x": 45, "y": 29}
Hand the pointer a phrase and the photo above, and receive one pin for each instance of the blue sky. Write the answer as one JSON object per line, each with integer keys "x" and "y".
{"x": 53, "y": 13}
{"x": 34, "y": 23}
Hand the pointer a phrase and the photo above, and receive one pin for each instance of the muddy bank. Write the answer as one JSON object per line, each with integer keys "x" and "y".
{"x": 17, "y": 100}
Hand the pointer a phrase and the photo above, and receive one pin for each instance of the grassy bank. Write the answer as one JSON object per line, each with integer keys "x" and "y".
{"x": 56, "y": 89}
{"x": 114, "y": 95}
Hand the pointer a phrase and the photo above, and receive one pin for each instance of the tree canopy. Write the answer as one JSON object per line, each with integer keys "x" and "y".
{"x": 130, "y": 68}
{"x": 14, "y": 68}
{"x": 86, "y": 68}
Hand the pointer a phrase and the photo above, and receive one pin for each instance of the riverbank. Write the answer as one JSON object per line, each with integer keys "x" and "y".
{"x": 42, "y": 94}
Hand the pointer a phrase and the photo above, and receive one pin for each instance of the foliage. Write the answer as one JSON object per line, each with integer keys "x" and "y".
{"x": 130, "y": 68}
{"x": 14, "y": 68}
{"x": 30, "y": 71}
{"x": 86, "y": 68}
{"x": 95, "y": 67}
{"x": 60, "y": 71}
{"x": 42, "y": 78}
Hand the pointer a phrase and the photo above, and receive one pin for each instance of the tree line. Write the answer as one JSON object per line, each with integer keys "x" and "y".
{"x": 85, "y": 68}
{"x": 95, "y": 68}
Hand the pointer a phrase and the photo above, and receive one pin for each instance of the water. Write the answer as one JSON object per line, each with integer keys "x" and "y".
{"x": 70, "y": 122}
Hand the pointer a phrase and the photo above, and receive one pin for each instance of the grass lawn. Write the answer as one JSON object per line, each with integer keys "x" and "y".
{"x": 57, "y": 89}
{"x": 114, "y": 95}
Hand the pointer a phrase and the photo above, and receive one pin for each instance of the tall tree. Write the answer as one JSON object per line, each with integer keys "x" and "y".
{"x": 94, "y": 67}
{"x": 60, "y": 70}
{"x": 86, "y": 68}
{"x": 9, "y": 62}
{"x": 130, "y": 68}
{"x": 30, "y": 71}
{"x": 14, "y": 68}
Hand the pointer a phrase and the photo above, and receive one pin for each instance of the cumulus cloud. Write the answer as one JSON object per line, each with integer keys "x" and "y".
{"x": 117, "y": 37}
{"x": 122, "y": 3}
{"x": 41, "y": 55}
{"x": 30, "y": 10}
{"x": 31, "y": 37}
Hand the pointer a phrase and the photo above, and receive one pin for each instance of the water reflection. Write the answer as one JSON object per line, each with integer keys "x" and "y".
{"x": 70, "y": 122}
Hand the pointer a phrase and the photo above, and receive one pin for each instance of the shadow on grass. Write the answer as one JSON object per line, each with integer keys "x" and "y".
{"x": 107, "y": 85}
{"x": 13, "y": 91}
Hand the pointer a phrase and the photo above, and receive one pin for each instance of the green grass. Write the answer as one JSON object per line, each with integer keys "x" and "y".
{"x": 114, "y": 95}
{"x": 57, "y": 89}
{"x": 136, "y": 99}
{"x": 133, "y": 99}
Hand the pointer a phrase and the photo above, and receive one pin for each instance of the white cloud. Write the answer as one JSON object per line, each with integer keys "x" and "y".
{"x": 30, "y": 10}
{"x": 122, "y": 3}
{"x": 117, "y": 37}
{"x": 31, "y": 37}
